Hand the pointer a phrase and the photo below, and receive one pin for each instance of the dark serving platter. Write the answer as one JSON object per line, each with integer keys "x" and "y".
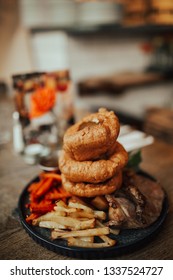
{"x": 127, "y": 241}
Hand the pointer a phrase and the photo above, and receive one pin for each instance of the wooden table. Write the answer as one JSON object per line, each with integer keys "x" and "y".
{"x": 15, "y": 174}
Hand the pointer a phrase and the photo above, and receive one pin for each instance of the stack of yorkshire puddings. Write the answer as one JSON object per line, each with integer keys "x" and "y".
{"x": 92, "y": 161}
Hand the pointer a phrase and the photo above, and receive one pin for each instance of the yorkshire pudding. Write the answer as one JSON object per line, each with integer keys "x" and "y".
{"x": 93, "y": 171}
{"x": 91, "y": 190}
{"x": 92, "y": 137}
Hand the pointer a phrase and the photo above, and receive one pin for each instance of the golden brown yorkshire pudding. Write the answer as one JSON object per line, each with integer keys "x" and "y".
{"x": 91, "y": 190}
{"x": 93, "y": 171}
{"x": 93, "y": 136}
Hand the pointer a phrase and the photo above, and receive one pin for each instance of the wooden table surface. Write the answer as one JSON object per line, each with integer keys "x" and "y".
{"x": 15, "y": 244}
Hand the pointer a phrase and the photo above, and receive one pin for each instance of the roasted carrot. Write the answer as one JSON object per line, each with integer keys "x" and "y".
{"x": 45, "y": 186}
{"x": 43, "y": 194}
{"x": 55, "y": 176}
{"x": 63, "y": 192}
{"x": 42, "y": 207}
{"x": 57, "y": 193}
{"x": 31, "y": 217}
{"x": 33, "y": 198}
{"x": 34, "y": 186}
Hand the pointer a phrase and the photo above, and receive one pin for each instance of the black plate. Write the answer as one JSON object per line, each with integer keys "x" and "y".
{"x": 127, "y": 241}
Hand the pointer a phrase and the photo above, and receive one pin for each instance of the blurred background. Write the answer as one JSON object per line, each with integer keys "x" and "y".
{"x": 116, "y": 54}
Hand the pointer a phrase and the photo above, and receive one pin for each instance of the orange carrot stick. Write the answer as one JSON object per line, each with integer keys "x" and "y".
{"x": 34, "y": 186}
{"x": 57, "y": 193}
{"x": 55, "y": 196}
{"x": 47, "y": 184}
{"x": 43, "y": 194}
{"x": 37, "y": 187}
{"x": 55, "y": 176}
{"x": 42, "y": 208}
{"x": 31, "y": 217}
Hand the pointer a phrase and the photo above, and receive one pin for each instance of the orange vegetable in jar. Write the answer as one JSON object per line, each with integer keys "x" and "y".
{"x": 42, "y": 101}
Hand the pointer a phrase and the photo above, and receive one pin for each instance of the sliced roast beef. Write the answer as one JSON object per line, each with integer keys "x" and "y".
{"x": 137, "y": 204}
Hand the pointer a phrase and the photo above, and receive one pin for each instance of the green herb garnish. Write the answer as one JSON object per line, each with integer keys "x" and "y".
{"x": 134, "y": 160}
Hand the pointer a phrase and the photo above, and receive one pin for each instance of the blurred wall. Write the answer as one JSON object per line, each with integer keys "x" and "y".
{"x": 104, "y": 55}
{"x": 14, "y": 47}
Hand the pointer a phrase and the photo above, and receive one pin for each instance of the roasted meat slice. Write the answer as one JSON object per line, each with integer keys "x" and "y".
{"x": 137, "y": 204}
